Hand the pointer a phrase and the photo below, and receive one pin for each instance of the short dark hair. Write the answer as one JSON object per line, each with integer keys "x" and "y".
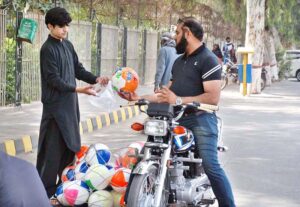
{"x": 58, "y": 16}
{"x": 194, "y": 25}
{"x": 216, "y": 45}
{"x": 227, "y": 38}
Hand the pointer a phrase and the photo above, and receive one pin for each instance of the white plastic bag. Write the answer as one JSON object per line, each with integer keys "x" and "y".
{"x": 105, "y": 98}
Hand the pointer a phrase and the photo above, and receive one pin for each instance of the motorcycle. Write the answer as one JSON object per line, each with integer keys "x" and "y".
{"x": 169, "y": 171}
{"x": 229, "y": 72}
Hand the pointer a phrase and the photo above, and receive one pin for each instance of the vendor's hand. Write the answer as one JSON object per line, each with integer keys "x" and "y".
{"x": 86, "y": 90}
{"x": 103, "y": 81}
{"x": 129, "y": 96}
{"x": 165, "y": 95}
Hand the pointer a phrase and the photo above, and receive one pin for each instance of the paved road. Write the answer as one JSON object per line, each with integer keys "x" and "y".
{"x": 262, "y": 133}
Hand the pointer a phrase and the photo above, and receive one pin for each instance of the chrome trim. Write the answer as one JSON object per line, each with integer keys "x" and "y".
{"x": 156, "y": 145}
{"x": 143, "y": 167}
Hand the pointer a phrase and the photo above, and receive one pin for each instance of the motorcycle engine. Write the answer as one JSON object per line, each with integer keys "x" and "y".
{"x": 188, "y": 191}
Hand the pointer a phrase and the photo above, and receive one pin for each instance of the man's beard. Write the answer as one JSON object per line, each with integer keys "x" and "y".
{"x": 181, "y": 46}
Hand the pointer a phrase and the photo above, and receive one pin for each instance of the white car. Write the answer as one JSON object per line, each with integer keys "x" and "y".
{"x": 294, "y": 57}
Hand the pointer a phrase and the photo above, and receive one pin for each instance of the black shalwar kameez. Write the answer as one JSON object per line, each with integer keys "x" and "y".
{"x": 59, "y": 137}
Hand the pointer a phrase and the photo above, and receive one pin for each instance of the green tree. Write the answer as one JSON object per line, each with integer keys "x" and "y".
{"x": 10, "y": 46}
{"x": 282, "y": 15}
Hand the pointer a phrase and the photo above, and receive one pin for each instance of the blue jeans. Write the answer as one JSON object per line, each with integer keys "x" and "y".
{"x": 205, "y": 130}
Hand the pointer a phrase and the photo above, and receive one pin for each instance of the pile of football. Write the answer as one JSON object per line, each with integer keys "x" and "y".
{"x": 97, "y": 177}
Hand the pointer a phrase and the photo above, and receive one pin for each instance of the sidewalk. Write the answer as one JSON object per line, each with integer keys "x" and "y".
{"x": 21, "y": 125}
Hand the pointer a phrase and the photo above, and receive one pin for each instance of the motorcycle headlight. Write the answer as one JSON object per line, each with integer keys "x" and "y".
{"x": 155, "y": 128}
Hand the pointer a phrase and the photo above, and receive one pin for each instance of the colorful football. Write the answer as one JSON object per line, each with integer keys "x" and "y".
{"x": 118, "y": 198}
{"x": 137, "y": 145}
{"x": 73, "y": 193}
{"x": 59, "y": 194}
{"x": 80, "y": 170}
{"x": 79, "y": 156}
{"x": 120, "y": 180}
{"x": 101, "y": 198}
{"x": 125, "y": 79}
{"x": 98, "y": 176}
{"x": 68, "y": 174}
{"x": 129, "y": 159}
{"x": 98, "y": 154}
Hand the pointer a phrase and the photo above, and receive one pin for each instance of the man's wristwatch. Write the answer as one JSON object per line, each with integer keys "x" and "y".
{"x": 178, "y": 101}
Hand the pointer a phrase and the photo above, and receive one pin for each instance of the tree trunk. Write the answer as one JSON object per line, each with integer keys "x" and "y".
{"x": 254, "y": 38}
{"x": 276, "y": 39}
{"x": 267, "y": 58}
{"x": 273, "y": 61}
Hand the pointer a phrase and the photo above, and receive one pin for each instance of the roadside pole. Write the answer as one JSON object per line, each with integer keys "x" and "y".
{"x": 245, "y": 70}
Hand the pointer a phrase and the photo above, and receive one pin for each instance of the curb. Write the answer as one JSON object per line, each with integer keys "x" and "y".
{"x": 27, "y": 143}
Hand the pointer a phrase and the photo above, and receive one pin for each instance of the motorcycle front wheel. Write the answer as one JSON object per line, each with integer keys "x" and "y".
{"x": 142, "y": 190}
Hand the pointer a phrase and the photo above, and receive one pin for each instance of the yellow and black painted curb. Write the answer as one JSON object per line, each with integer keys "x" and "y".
{"x": 27, "y": 143}
{"x": 106, "y": 119}
{"x": 16, "y": 146}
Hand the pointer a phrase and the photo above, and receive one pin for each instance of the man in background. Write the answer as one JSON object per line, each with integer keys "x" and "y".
{"x": 217, "y": 51}
{"x": 229, "y": 51}
{"x": 166, "y": 57}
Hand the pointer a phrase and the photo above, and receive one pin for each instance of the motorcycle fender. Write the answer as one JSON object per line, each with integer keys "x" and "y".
{"x": 143, "y": 167}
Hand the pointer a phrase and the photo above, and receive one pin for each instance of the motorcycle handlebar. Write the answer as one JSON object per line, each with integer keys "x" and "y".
{"x": 142, "y": 102}
{"x": 229, "y": 62}
{"x": 200, "y": 106}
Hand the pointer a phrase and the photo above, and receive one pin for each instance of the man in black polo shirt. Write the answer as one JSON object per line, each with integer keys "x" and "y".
{"x": 196, "y": 78}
